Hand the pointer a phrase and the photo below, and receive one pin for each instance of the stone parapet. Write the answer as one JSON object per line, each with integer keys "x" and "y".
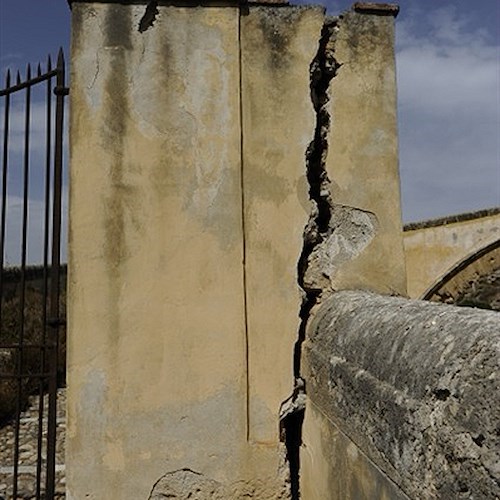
{"x": 412, "y": 387}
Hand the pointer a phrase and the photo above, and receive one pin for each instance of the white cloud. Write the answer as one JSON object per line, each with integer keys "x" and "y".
{"x": 448, "y": 80}
{"x": 36, "y": 230}
{"x": 17, "y": 125}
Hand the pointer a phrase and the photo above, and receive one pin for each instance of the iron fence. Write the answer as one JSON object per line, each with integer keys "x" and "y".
{"x": 30, "y": 317}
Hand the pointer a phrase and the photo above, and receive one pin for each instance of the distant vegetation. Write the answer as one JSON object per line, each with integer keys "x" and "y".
{"x": 32, "y": 357}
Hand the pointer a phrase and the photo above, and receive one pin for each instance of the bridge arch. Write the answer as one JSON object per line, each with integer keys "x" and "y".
{"x": 438, "y": 249}
{"x": 463, "y": 276}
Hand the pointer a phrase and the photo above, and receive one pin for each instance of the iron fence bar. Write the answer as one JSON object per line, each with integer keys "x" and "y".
{"x": 30, "y": 82}
{"x": 5, "y": 160}
{"x": 60, "y": 91}
{"x": 48, "y": 147}
{"x": 48, "y": 345}
{"x": 23, "y": 279}
{"x": 25, "y": 346}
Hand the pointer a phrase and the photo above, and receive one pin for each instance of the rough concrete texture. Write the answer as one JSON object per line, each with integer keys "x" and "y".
{"x": 349, "y": 232}
{"x": 415, "y": 386}
{"x": 433, "y": 249}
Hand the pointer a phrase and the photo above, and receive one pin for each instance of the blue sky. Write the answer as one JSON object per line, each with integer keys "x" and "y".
{"x": 448, "y": 93}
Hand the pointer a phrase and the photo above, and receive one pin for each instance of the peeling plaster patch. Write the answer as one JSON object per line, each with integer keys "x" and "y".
{"x": 350, "y": 232}
{"x": 149, "y": 17}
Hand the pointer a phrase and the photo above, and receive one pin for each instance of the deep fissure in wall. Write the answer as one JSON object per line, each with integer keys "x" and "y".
{"x": 323, "y": 69}
{"x": 149, "y": 17}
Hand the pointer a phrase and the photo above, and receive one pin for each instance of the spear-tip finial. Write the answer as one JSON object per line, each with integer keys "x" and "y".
{"x": 60, "y": 57}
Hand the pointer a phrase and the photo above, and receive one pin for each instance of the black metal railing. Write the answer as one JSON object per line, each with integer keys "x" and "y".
{"x": 30, "y": 318}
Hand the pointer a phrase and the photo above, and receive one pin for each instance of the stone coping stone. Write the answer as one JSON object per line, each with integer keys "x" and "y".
{"x": 415, "y": 385}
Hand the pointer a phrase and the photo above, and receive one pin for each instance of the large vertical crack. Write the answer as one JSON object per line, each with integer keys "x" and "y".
{"x": 323, "y": 69}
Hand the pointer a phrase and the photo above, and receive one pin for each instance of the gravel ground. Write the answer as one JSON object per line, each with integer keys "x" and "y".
{"x": 28, "y": 451}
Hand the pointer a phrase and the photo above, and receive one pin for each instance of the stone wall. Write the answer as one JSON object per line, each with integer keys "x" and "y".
{"x": 403, "y": 393}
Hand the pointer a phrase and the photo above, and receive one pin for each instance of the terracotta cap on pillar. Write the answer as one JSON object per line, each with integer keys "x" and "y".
{"x": 379, "y": 9}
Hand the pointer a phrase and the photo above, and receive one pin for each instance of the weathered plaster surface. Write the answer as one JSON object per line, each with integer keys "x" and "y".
{"x": 362, "y": 144}
{"x": 346, "y": 473}
{"x": 433, "y": 250}
{"x": 156, "y": 307}
{"x": 414, "y": 385}
{"x": 189, "y": 128}
{"x": 353, "y": 238}
{"x": 278, "y": 45}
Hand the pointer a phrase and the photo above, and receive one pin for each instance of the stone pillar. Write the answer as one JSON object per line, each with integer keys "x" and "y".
{"x": 278, "y": 45}
{"x": 362, "y": 161}
{"x": 188, "y": 200}
{"x": 157, "y": 362}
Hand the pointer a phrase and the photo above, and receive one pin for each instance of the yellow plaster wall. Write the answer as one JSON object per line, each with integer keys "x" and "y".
{"x": 156, "y": 368}
{"x": 278, "y": 123}
{"x": 183, "y": 295}
{"x": 362, "y": 161}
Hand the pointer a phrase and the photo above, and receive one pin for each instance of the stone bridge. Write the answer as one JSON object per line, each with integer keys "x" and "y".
{"x": 446, "y": 257}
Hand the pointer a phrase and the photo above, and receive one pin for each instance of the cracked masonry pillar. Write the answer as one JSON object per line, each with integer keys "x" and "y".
{"x": 361, "y": 247}
{"x": 189, "y": 127}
